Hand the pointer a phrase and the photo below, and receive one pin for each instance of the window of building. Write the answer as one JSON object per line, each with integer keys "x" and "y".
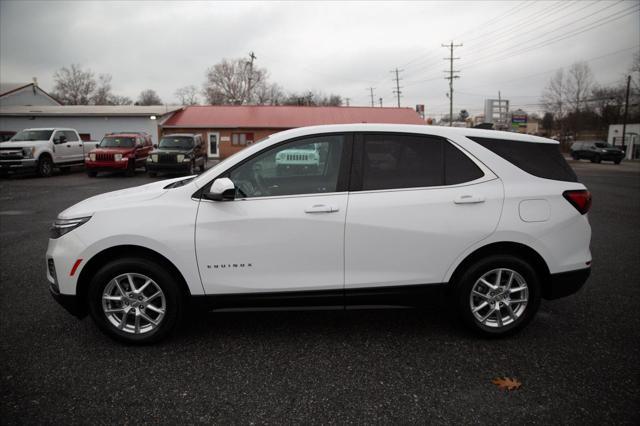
{"x": 241, "y": 139}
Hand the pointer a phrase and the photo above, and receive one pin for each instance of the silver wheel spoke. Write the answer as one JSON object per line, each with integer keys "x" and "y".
{"x": 148, "y": 318}
{"x": 511, "y": 313}
{"x": 517, "y": 289}
{"x": 480, "y": 306}
{"x": 510, "y": 281}
{"x": 488, "y": 284}
{"x": 119, "y": 288}
{"x": 114, "y": 298}
{"x": 477, "y": 293}
{"x": 153, "y": 296}
{"x": 498, "y": 278}
{"x": 499, "y": 316}
{"x": 109, "y": 311}
{"x": 141, "y": 289}
{"x": 154, "y": 309}
{"x": 518, "y": 300}
{"x": 486, "y": 317}
{"x": 124, "y": 320}
{"x": 132, "y": 286}
{"x": 137, "y": 324}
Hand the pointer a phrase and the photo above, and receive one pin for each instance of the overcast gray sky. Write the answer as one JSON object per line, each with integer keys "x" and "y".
{"x": 333, "y": 47}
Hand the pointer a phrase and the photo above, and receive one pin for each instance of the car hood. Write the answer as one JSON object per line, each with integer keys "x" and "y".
{"x": 99, "y": 150}
{"x": 116, "y": 199}
{"x": 20, "y": 144}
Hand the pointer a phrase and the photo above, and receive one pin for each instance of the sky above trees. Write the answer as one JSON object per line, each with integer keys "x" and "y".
{"x": 341, "y": 48}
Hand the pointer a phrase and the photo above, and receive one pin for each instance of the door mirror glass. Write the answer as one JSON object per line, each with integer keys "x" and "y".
{"x": 222, "y": 189}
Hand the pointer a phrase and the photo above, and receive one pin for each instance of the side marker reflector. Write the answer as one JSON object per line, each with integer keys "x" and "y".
{"x": 75, "y": 267}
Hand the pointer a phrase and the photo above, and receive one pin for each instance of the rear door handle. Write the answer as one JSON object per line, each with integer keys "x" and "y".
{"x": 321, "y": 208}
{"x": 469, "y": 199}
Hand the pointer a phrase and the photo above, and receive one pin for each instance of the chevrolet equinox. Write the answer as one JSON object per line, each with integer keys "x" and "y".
{"x": 387, "y": 215}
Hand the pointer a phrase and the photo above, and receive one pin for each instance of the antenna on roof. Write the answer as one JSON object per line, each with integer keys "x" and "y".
{"x": 35, "y": 85}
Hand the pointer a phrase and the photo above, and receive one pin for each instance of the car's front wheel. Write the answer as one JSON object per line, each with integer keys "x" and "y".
{"x": 498, "y": 295}
{"x": 135, "y": 300}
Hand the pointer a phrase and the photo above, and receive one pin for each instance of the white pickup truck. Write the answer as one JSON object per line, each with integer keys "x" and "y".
{"x": 42, "y": 150}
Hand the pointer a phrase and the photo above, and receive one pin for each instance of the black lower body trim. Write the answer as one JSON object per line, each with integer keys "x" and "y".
{"x": 406, "y": 295}
{"x": 70, "y": 303}
{"x": 565, "y": 283}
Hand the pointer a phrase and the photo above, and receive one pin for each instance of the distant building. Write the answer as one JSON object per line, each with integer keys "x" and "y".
{"x": 631, "y": 140}
{"x": 25, "y": 94}
{"x": 496, "y": 111}
{"x": 91, "y": 121}
{"x": 230, "y": 128}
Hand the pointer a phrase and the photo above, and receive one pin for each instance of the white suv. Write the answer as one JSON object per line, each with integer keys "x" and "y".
{"x": 391, "y": 214}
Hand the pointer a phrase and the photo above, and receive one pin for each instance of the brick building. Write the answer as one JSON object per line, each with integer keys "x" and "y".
{"x": 229, "y": 128}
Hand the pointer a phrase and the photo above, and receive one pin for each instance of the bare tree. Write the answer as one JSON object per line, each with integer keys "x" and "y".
{"x": 102, "y": 94}
{"x": 149, "y": 97}
{"x": 73, "y": 85}
{"x": 228, "y": 82}
{"x": 187, "y": 95}
{"x": 578, "y": 85}
{"x": 120, "y": 100}
{"x": 269, "y": 94}
{"x": 311, "y": 98}
{"x": 553, "y": 95}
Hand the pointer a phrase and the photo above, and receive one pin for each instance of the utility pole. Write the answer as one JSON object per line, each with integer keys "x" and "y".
{"x": 626, "y": 112}
{"x": 451, "y": 77}
{"x": 380, "y": 102}
{"x": 371, "y": 91}
{"x": 252, "y": 56}
{"x": 347, "y": 100}
{"x": 397, "y": 91}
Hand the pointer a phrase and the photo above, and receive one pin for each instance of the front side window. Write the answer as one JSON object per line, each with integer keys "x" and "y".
{"x": 71, "y": 136}
{"x": 401, "y": 161}
{"x": 176, "y": 142}
{"x": 117, "y": 142}
{"x": 306, "y": 166}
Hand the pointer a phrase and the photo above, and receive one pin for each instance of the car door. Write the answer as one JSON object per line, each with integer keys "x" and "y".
{"x": 63, "y": 151}
{"x": 74, "y": 145}
{"x": 418, "y": 202}
{"x": 284, "y": 231}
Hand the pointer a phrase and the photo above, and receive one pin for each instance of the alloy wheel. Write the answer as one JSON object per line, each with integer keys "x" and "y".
{"x": 134, "y": 303}
{"x": 499, "y": 297}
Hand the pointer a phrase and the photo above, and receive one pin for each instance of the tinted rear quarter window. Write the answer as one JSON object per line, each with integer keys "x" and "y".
{"x": 543, "y": 160}
{"x": 458, "y": 167}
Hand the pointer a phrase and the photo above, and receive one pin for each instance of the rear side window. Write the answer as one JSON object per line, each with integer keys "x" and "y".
{"x": 539, "y": 159}
{"x": 458, "y": 167}
{"x": 401, "y": 161}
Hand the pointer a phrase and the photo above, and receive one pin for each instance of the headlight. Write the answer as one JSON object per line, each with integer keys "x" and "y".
{"x": 28, "y": 152}
{"x": 92, "y": 156}
{"x": 62, "y": 226}
{"x": 117, "y": 157}
{"x": 603, "y": 150}
{"x": 180, "y": 157}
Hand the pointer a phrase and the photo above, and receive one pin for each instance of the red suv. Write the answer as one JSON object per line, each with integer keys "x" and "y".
{"x": 123, "y": 151}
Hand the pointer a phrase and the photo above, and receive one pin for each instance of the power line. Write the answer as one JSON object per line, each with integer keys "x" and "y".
{"x": 397, "y": 90}
{"x": 450, "y": 78}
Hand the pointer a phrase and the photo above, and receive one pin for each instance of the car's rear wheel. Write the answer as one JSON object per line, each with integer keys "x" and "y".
{"x": 45, "y": 166}
{"x": 131, "y": 168}
{"x": 92, "y": 173}
{"x": 617, "y": 161}
{"x": 135, "y": 300}
{"x": 596, "y": 159}
{"x": 498, "y": 295}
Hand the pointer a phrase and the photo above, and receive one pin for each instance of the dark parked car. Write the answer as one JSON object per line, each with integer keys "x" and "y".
{"x": 596, "y": 151}
{"x": 178, "y": 153}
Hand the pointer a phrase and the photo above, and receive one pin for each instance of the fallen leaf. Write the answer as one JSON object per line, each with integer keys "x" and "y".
{"x": 506, "y": 383}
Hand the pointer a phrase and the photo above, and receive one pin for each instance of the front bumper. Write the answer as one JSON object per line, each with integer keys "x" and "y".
{"x": 565, "y": 283}
{"x": 70, "y": 302}
{"x": 15, "y": 165}
{"x": 168, "y": 167}
{"x": 106, "y": 165}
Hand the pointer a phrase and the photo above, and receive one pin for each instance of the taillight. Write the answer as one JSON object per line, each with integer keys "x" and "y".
{"x": 579, "y": 198}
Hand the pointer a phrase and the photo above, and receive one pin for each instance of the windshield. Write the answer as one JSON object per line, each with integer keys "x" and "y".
{"x": 176, "y": 142}
{"x": 603, "y": 145}
{"x": 116, "y": 142}
{"x": 32, "y": 135}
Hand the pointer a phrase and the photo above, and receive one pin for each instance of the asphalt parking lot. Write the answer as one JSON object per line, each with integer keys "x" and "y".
{"x": 578, "y": 361}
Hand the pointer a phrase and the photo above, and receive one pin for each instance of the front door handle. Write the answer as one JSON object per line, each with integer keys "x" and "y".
{"x": 321, "y": 208}
{"x": 469, "y": 199}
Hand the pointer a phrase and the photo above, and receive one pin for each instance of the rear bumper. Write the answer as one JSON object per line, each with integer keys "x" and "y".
{"x": 565, "y": 283}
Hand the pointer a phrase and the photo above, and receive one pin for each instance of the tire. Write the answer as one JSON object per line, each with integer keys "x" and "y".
{"x": 575, "y": 156}
{"x": 92, "y": 173}
{"x": 65, "y": 170}
{"x": 597, "y": 159}
{"x": 153, "y": 174}
{"x": 617, "y": 161}
{"x": 168, "y": 306}
{"x": 45, "y": 166}
{"x": 131, "y": 168}
{"x": 509, "y": 266}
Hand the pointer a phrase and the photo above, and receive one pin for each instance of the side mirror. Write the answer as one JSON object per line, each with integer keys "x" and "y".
{"x": 155, "y": 145}
{"x": 222, "y": 189}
